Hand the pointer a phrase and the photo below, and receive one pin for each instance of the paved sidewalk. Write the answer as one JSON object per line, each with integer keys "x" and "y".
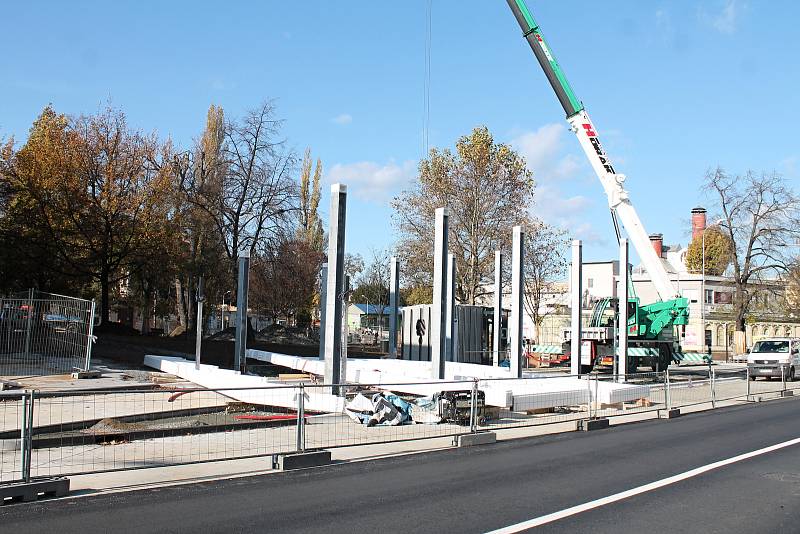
{"x": 186, "y": 474}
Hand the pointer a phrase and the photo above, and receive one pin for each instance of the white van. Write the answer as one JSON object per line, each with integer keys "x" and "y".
{"x": 770, "y": 356}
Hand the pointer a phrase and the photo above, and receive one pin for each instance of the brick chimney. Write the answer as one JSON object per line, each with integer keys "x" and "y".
{"x": 698, "y": 222}
{"x": 657, "y": 240}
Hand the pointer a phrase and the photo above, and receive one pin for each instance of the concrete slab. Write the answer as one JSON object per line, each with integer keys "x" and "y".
{"x": 589, "y": 425}
{"x": 481, "y": 438}
{"x": 302, "y": 460}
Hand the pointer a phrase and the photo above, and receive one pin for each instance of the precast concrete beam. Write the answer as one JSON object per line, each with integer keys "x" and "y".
{"x": 575, "y": 298}
{"x": 498, "y": 307}
{"x": 335, "y": 287}
{"x": 622, "y": 328}
{"x": 517, "y": 312}
{"x": 242, "y": 289}
{"x": 394, "y": 297}
{"x": 450, "y": 308}
{"x": 438, "y": 326}
{"x": 323, "y": 292}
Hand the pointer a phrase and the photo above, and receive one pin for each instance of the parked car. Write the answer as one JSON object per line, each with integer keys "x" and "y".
{"x": 15, "y": 319}
{"x": 62, "y": 323}
{"x": 774, "y": 357}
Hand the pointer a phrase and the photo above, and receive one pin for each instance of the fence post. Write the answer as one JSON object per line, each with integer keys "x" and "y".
{"x": 89, "y": 340}
{"x": 747, "y": 378}
{"x": 667, "y": 398}
{"x": 301, "y": 437}
{"x": 713, "y": 375}
{"x": 473, "y": 407}
{"x": 783, "y": 378}
{"x": 26, "y": 429}
{"x": 589, "y": 398}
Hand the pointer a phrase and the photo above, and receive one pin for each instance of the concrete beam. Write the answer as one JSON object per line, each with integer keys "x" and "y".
{"x": 394, "y": 298}
{"x": 481, "y": 438}
{"x": 335, "y": 287}
{"x": 242, "y": 289}
{"x": 498, "y": 307}
{"x": 323, "y": 292}
{"x": 438, "y": 327}
{"x": 300, "y": 460}
{"x": 576, "y": 296}
{"x": 450, "y": 309}
{"x": 622, "y": 328}
{"x": 517, "y": 304}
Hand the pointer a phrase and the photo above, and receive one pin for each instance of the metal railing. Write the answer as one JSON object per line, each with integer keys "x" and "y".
{"x": 45, "y": 434}
{"x": 43, "y": 334}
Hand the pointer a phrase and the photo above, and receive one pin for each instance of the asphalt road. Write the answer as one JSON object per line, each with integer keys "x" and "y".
{"x": 484, "y": 488}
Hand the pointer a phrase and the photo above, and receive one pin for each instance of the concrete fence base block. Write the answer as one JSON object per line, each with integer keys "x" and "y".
{"x": 30, "y": 491}
{"x": 482, "y": 438}
{"x": 592, "y": 424}
{"x": 787, "y": 393}
{"x": 671, "y": 414}
{"x": 300, "y": 460}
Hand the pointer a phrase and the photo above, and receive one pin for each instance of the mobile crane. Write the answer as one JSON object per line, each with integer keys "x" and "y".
{"x": 650, "y": 326}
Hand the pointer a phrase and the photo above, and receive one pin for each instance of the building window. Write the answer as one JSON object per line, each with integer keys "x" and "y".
{"x": 709, "y": 296}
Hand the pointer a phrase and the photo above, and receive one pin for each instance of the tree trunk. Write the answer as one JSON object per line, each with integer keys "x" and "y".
{"x": 146, "y": 310}
{"x": 181, "y": 310}
{"x": 105, "y": 312}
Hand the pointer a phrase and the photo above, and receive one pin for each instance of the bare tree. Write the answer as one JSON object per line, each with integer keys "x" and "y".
{"x": 373, "y": 284}
{"x": 760, "y": 215}
{"x": 251, "y": 209}
{"x": 545, "y": 264}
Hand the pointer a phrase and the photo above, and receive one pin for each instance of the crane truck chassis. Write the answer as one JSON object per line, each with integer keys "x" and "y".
{"x": 650, "y": 326}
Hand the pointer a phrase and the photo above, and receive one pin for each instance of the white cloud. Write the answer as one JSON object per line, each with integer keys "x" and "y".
{"x": 556, "y": 171}
{"x": 371, "y": 181}
{"x": 542, "y": 152}
{"x": 344, "y": 118}
{"x": 726, "y": 20}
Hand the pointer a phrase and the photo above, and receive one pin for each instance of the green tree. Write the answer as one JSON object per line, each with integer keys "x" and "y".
{"x": 91, "y": 193}
{"x": 717, "y": 253}
{"x": 487, "y": 189}
{"x": 310, "y": 225}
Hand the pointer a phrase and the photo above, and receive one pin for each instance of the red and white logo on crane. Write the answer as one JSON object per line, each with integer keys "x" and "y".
{"x": 589, "y": 131}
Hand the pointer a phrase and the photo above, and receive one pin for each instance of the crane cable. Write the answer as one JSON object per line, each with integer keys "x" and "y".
{"x": 426, "y": 105}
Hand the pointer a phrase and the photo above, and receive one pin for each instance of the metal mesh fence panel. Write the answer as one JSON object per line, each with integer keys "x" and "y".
{"x": 44, "y": 334}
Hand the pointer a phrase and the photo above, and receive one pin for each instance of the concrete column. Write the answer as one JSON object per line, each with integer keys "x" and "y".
{"x": 517, "y": 288}
{"x": 335, "y": 287}
{"x": 498, "y": 307}
{"x": 450, "y": 309}
{"x": 438, "y": 309}
{"x": 394, "y": 297}
{"x": 622, "y": 295}
{"x": 323, "y": 291}
{"x": 576, "y": 295}
{"x": 242, "y": 288}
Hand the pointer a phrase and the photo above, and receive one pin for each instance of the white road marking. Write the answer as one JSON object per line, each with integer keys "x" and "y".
{"x": 555, "y": 516}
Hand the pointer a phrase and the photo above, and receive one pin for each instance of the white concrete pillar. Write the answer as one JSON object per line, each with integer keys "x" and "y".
{"x": 323, "y": 292}
{"x": 576, "y": 296}
{"x": 498, "y": 307}
{"x": 517, "y": 304}
{"x": 438, "y": 309}
{"x": 394, "y": 297}
{"x": 335, "y": 287}
{"x": 450, "y": 309}
{"x": 242, "y": 289}
{"x": 622, "y": 294}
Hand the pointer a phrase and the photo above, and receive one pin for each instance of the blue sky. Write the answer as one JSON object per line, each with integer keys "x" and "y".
{"x": 674, "y": 88}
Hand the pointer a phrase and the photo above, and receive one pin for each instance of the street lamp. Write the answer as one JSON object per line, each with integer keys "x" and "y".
{"x": 703, "y": 285}
{"x": 222, "y": 311}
